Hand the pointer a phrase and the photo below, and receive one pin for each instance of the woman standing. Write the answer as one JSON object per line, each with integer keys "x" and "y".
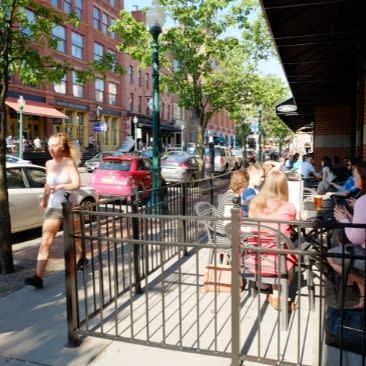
{"x": 62, "y": 176}
{"x": 356, "y": 236}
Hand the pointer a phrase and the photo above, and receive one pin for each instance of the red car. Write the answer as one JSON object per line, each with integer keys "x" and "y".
{"x": 123, "y": 176}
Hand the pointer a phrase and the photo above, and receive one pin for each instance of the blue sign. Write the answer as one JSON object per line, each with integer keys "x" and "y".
{"x": 100, "y": 127}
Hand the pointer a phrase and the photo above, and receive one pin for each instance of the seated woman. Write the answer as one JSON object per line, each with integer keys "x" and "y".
{"x": 256, "y": 179}
{"x": 327, "y": 176}
{"x": 273, "y": 203}
{"x": 356, "y": 236}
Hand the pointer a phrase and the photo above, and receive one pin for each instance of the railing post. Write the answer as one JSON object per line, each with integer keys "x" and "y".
{"x": 184, "y": 213}
{"x": 136, "y": 247}
{"x": 212, "y": 193}
{"x": 235, "y": 288}
{"x": 72, "y": 308}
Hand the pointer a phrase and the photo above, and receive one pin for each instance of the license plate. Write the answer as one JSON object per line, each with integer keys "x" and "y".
{"x": 107, "y": 179}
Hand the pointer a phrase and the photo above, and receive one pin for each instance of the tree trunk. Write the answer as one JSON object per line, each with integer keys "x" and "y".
{"x": 6, "y": 255}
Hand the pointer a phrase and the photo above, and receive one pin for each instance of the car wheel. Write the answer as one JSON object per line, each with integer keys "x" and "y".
{"x": 85, "y": 202}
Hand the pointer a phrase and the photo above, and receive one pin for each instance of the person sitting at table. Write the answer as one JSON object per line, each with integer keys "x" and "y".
{"x": 356, "y": 236}
{"x": 291, "y": 161}
{"x": 256, "y": 179}
{"x": 273, "y": 203}
{"x": 348, "y": 188}
{"x": 327, "y": 176}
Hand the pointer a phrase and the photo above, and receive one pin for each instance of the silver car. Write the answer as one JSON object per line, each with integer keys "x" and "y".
{"x": 93, "y": 163}
{"x": 25, "y": 187}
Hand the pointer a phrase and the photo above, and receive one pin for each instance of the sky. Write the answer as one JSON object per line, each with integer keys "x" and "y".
{"x": 270, "y": 66}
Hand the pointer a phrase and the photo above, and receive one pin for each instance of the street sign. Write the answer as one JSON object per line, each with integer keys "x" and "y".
{"x": 100, "y": 127}
{"x": 138, "y": 133}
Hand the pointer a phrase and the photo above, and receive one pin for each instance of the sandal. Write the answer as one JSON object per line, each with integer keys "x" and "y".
{"x": 275, "y": 302}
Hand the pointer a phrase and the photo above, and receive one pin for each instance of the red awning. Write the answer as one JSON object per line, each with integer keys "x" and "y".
{"x": 35, "y": 108}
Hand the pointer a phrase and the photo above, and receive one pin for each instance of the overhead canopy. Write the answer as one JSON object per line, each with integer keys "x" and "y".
{"x": 35, "y": 108}
{"x": 322, "y": 48}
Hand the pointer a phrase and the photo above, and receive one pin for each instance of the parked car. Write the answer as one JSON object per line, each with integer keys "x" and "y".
{"x": 25, "y": 188}
{"x": 93, "y": 163}
{"x": 123, "y": 176}
{"x": 177, "y": 166}
{"x": 224, "y": 160}
{"x": 15, "y": 160}
{"x": 238, "y": 155}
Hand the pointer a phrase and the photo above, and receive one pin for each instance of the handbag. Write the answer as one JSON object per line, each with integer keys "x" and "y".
{"x": 217, "y": 278}
{"x": 351, "y": 324}
{"x": 345, "y": 329}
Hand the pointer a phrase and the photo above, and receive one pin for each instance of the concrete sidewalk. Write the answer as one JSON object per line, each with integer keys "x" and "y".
{"x": 33, "y": 329}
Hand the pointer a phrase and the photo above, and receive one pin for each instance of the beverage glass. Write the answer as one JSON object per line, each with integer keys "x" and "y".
{"x": 318, "y": 202}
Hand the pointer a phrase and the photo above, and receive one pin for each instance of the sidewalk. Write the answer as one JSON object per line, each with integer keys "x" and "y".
{"x": 33, "y": 327}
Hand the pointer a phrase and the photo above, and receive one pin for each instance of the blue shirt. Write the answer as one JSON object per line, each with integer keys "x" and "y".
{"x": 349, "y": 185}
{"x": 246, "y": 197}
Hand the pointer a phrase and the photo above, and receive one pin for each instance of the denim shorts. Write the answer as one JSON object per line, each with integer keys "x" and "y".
{"x": 53, "y": 213}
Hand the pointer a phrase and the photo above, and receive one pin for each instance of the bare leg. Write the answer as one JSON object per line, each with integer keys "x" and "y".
{"x": 49, "y": 230}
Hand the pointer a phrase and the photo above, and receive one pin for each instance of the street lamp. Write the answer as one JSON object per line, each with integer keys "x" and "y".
{"x": 21, "y": 105}
{"x": 135, "y": 120}
{"x": 155, "y": 19}
{"x": 260, "y": 152}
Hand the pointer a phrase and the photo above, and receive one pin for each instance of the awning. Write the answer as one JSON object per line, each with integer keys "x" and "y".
{"x": 147, "y": 123}
{"x": 35, "y": 108}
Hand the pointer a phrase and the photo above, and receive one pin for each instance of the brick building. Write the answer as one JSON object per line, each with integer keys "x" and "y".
{"x": 104, "y": 108}
{"x": 324, "y": 61}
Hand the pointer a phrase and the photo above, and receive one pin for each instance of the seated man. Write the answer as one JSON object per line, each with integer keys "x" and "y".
{"x": 308, "y": 172}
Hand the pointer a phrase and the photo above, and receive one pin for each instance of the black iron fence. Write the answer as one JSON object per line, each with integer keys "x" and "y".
{"x": 147, "y": 270}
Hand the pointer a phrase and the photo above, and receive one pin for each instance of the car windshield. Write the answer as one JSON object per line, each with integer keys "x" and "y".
{"x": 120, "y": 165}
{"x": 175, "y": 157}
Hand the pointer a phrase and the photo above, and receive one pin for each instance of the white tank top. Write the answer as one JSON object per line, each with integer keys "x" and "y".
{"x": 55, "y": 200}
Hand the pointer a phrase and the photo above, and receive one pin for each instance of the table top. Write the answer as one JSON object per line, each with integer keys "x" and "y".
{"x": 325, "y": 213}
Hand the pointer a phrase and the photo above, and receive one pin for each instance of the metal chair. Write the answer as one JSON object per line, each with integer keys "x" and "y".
{"x": 207, "y": 210}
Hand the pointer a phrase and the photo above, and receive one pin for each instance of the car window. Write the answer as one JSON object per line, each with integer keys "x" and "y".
{"x": 11, "y": 159}
{"x": 36, "y": 177}
{"x": 148, "y": 164}
{"x": 120, "y": 165}
{"x": 15, "y": 178}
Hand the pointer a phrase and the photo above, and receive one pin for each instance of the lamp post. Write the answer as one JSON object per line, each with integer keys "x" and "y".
{"x": 155, "y": 19}
{"x": 21, "y": 105}
{"x": 260, "y": 152}
{"x": 135, "y": 120}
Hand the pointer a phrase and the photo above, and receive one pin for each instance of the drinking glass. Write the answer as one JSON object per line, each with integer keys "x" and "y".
{"x": 318, "y": 202}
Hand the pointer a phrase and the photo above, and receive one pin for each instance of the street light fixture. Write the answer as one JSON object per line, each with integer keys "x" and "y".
{"x": 135, "y": 120}
{"x": 155, "y": 19}
{"x": 21, "y": 105}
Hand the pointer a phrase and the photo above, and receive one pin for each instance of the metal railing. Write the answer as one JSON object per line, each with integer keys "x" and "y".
{"x": 144, "y": 284}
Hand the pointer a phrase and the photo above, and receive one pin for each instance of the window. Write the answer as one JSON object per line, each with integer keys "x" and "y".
{"x": 105, "y": 23}
{"x": 96, "y": 18}
{"x": 112, "y": 2}
{"x": 31, "y": 19}
{"x": 79, "y": 8}
{"x": 147, "y": 79}
{"x": 113, "y": 34}
{"x": 54, "y": 3}
{"x": 59, "y": 35}
{"x": 162, "y": 112}
{"x": 114, "y": 132}
{"x": 67, "y": 6}
{"x": 15, "y": 178}
{"x": 61, "y": 86}
{"x": 112, "y": 93}
{"x": 114, "y": 56}
{"x": 168, "y": 112}
{"x": 77, "y": 87}
{"x": 130, "y": 102}
{"x": 130, "y": 74}
{"x": 98, "y": 51}
{"x": 36, "y": 177}
{"x": 99, "y": 90}
{"x": 77, "y": 45}
{"x": 140, "y": 104}
{"x": 139, "y": 81}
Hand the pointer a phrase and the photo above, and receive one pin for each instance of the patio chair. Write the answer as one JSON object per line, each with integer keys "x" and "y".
{"x": 268, "y": 268}
{"x": 207, "y": 210}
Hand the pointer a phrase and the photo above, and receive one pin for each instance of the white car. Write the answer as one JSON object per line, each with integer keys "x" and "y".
{"x": 15, "y": 160}
{"x": 25, "y": 187}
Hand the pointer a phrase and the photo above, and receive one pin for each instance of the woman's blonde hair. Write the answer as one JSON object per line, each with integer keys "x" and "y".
{"x": 239, "y": 181}
{"x": 275, "y": 188}
{"x": 254, "y": 170}
{"x": 70, "y": 149}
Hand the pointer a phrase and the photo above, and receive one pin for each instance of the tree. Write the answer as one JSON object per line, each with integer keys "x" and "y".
{"x": 25, "y": 29}
{"x": 194, "y": 53}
